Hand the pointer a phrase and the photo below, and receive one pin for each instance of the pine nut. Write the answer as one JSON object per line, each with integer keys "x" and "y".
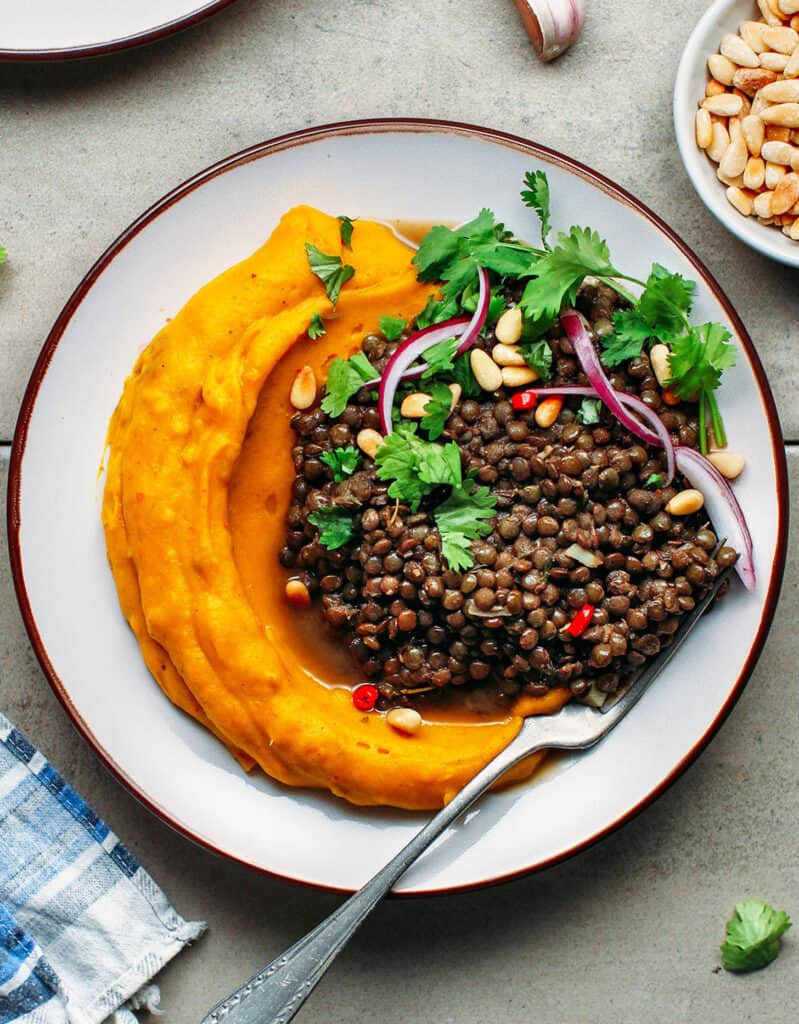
{"x": 758, "y": 104}
{"x": 786, "y": 115}
{"x": 714, "y": 88}
{"x": 685, "y": 503}
{"x": 774, "y": 61}
{"x": 303, "y": 388}
{"x": 782, "y": 39}
{"x": 404, "y": 720}
{"x": 782, "y": 92}
{"x": 733, "y": 181}
{"x": 518, "y": 376}
{"x": 774, "y": 133}
{"x": 507, "y": 355}
{"x": 548, "y": 411}
{"x": 659, "y": 358}
{"x": 456, "y": 391}
{"x": 753, "y": 131}
{"x": 297, "y": 593}
{"x": 509, "y": 326}
{"x": 369, "y": 441}
{"x": 786, "y": 194}
{"x": 729, "y": 464}
{"x": 752, "y": 34}
{"x": 721, "y": 140}
{"x": 721, "y": 68}
{"x": 734, "y": 160}
{"x": 746, "y": 102}
{"x": 487, "y": 374}
{"x": 778, "y": 152}
{"x": 795, "y": 159}
{"x": 788, "y": 6}
{"x": 736, "y": 50}
{"x": 794, "y": 22}
{"x": 793, "y": 231}
{"x": 762, "y": 205}
{"x": 704, "y": 128}
{"x": 768, "y": 15}
{"x": 792, "y": 67}
{"x": 774, "y": 174}
{"x": 755, "y": 173}
{"x": 735, "y": 129}
{"x": 725, "y": 105}
{"x": 741, "y": 200}
{"x": 751, "y": 80}
{"x": 414, "y": 405}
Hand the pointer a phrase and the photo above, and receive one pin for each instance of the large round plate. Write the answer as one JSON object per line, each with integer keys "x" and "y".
{"x": 412, "y": 170}
{"x": 53, "y": 30}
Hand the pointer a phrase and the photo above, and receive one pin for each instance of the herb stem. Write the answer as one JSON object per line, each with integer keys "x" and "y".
{"x": 719, "y": 433}
{"x": 702, "y": 424}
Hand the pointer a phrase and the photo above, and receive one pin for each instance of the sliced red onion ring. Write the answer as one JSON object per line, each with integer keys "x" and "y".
{"x": 454, "y": 328}
{"x": 414, "y": 346}
{"x": 722, "y": 506}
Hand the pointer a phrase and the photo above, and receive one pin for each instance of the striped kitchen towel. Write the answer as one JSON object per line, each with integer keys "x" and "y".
{"x": 83, "y": 928}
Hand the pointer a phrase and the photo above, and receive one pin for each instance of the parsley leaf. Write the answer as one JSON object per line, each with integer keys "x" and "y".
{"x": 416, "y": 467}
{"x": 536, "y": 196}
{"x": 344, "y": 378}
{"x": 330, "y": 271}
{"x": 334, "y": 525}
{"x": 461, "y": 519}
{"x": 631, "y": 333}
{"x": 392, "y": 327}
{"x": 698, "y": 359}
{"x": 538, "y": 355}
{"x": 588, "y": 413}
{"x": 345, "y": 230}
{"x": 654, "y": 480}
{"x": 560, "y": 273}
{"x": 753, "y": 936}
{"x": 437, "y": 410}
{"x": 440, "y": 357}
{"x": 316, "y": 328}
{"x": 342, "y": 461}
{"x": 462, "y": 374}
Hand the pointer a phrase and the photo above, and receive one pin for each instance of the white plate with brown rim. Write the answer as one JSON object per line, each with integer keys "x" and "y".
{"x": 408, "y": 170}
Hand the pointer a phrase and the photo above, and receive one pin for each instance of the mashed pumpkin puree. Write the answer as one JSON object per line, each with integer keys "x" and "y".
{"x": 198, "y": 485}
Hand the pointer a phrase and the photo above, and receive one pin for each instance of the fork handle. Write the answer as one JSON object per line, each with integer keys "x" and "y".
{"x": 275, "y": 994}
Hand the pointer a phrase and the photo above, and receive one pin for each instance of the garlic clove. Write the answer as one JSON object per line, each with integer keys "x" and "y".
{"x": 552, "y": 25}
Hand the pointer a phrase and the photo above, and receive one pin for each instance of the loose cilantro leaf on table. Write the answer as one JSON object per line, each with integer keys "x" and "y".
{"x": 330, "y": 270}
{"x": 316, "y": 328}
{"x": 536, "y": 196}
{"x": 461, "y": 519}
{"x": 392, "y": 327}
{"x": 344, "y": 378}
{"x": 753, "y": 936}
{"x": 588, "y": 413}
{"x": 437, "y": 410}
{"x": 334, "y": 525}
{"x": 345, "y": 230}
{"x": 538, "y": 356}
{"x": 415, "y": 466}
{"x": 440, "y": 357}
{"x": 342, "y": 461}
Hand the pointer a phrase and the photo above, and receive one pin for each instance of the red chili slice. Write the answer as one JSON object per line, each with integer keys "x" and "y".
{"x": 523, "y": 399}
{"x": 365, "y": 697}
{"x": 579, "y": 623}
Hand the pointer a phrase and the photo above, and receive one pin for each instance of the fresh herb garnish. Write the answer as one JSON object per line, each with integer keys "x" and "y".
{"x": 415, "y": 466}
{"x": 496, "y": 303}
{"x": 654, "y": 480}
{"x": 462, "y": 374}
{"x": 753, "y": 936}
{"x": 392, "y": 327}
{"x": 316, "y": 328}
{"x": 437, "y": 410}
{"x": 588, "y": 413}
{"x": 536, "y": 196}
{"x": 660, "y": 314}
{"x": 345, "y": 230}
{"x": 334, "y": 525}
{"x": 697, "y": 361}
{"x": 342, "y": 461}
{"x": 538, "y": 355}
{"x": 461, "y": 519}
{"x": 3, "y": 255}
{"x": 330, "y": 270}
{"x": 440, "y": 357}
{"x": 344, "y": 379}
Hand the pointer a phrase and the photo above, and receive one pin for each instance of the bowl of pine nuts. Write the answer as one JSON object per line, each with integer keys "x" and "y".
{"x": 736, "y": 116}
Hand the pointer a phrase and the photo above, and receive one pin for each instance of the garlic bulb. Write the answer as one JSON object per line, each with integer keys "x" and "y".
{"x": 553, "y": 25}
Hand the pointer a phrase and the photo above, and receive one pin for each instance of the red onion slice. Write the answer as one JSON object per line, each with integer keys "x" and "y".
{"x": 418, "y": 343}
{"x": 725, "y": 513}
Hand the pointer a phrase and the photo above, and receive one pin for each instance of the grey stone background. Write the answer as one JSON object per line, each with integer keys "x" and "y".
{"x": 629, "y": 930}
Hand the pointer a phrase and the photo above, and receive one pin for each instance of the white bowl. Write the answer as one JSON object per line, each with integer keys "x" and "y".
{"x": 721, "y": 17}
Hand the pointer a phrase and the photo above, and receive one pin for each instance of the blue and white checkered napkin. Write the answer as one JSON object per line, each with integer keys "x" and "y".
{"x": 83, "y": 928}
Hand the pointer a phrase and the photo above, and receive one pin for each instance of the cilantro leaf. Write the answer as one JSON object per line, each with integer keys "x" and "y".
{"x": 505, "y": 260}
{"x": 461, "y": 519}
{"x": 631, "y": 333}
{"x": 666, "y": 302}
{"x": 588, "y": 413}
{"x": 334, "y": 525}
{"x": 345, "y": 230}
{"x": 330, "y": 271}
{"x": 496, "y": 303}
{"x": 344, "y": 378}
{"x": 416, "y": 467}
{"x": 439, "y": 247}
{"x": 392, "y": 327}
{"x": 698, "y": 359}
{"x": 560, "y": 273}
{"x": 437, "y": 410}
{"x": 316, "y": 328}
{"x": 538, "y": 355}
{"x": 536, "y": 196}
{"x": 440, "y": 357}
{"x": 654, "y": 480}
{"x": 437, "y": 310}
{"x": 462, "y": 374}
{"x": 753, "y": 936}
{"x": 342, "y": 461}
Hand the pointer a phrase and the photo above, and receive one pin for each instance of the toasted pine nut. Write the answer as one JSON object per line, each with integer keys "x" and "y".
{"x": 729, "y": 464}
{"x": 507, "y": 355}
{"x": 733, "y": 181}
{"x": 751, "y": 80}
{"x": 721, "y": 140}
{"x": 548, "y": 411}
{"x": 768, "y": 15}
{"x": 793, "y": 231}
{"x": 297, "y": 593}
{"x": 735, "y": 129}
{"x": 456, "y": 391}
{"x": 404, "y": 720}
{"x": 795, "y": 159}
{"x": 753, "y": 131}
{"x": 686, "y": 502}
{"x": 775, "y": 133}
{"x": 774, "y": 61}
{"x": 785, "y": 115}
{"x": 791, "y": 69}
{"x": 518, "y": 376}
{"x": 736, "y": 50}
{"x": 794, "y": 22}
{"x": 509, "y": 326}
{"x": 788, "y": 6}
{"x": 752, "y": 34}
{"x": 704, "y": 128}
{"x": 782, "y": 92}
{"x": 414, "y": 405}
{"x": 777, "y": 152}
{"x": 303, "y": 388}
{"x": 487, "y": 374}
{"x": 369, "y": 441}
{"x": 714, "y": 88}
{"x": 782, "y": 39}
{"x": 774, "y": 172}
{"x": 762, "y": 205}
{"x": 755, "y": 173}
{"x": 725, "y": 105}
{"x": 734, "y": 160}
{"x": 721, "y": 68}
{"x": 741, "y": 200}
{"x": 746, "y": 102}
{"x": 758, "y": 104}
{"x": 659, "y": 358}
{"x": 785, "y": 194}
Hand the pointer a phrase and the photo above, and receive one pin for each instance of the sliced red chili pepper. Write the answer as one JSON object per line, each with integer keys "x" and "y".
{"x": 523, "y": 399}
{"x": 365, "y": 697}
{"x": 579, "y": 623}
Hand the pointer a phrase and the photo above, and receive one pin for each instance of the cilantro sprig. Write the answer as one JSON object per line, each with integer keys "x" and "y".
{"x": 330, "y": 270}
{"x": 437, "y": 410}
{"x": 316, "y": 328}
{"x": 345, "y": 230}
{"x": 753, "y": 936}
{"x": 463, "y": 518}
{"x": 334, "y": 524}
{"x": 344, "y": 379}
{"x": 392, "y": 327}
{"x": 342, "y": 461}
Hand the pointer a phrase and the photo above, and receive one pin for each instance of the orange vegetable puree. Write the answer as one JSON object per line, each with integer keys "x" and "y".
{"x": 199, "y": 478}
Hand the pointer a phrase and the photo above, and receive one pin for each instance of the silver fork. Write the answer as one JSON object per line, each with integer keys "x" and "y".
{"x": 275, "y": 994}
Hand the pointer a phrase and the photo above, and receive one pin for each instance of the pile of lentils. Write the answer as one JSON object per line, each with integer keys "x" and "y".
{"x": 418, "y": 630}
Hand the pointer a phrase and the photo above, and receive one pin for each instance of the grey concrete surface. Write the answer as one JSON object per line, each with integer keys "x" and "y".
{"x": 628, "y": 931}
